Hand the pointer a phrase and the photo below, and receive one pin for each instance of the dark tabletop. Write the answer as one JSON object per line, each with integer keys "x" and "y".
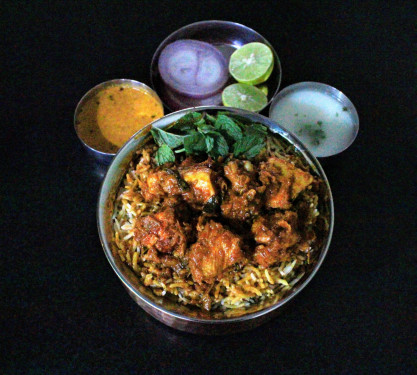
{"x": 64, "y": 311}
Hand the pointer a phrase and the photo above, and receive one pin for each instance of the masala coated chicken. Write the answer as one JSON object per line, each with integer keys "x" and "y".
{"x": 160, "y": 183}
{"x": 242, "y": 200}
{"x": 283, "y": 182}
{"x": 241, "y": 175}
{"x": 215, "y": 251}
{"x": 276, "y": 234}
{"x": 161, "y": 231}
{"x": 200, "y": 179}
{"x": 253, "y": 198}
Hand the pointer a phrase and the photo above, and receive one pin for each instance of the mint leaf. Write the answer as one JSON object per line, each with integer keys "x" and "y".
{"x": 255, "y": 150}
{"x": 209, "y": 143}
{"x": 182, "y": 128}
{"x": 242, "y": 122}
{"x": 256, "y": 129}
{"x": 253, "y": 141}
{"x": 197, "y": 133}
{"x": 191, "y": 117}
{"x": 243, "y": 145}
{"x": 228, "y": 128}
{"x": 220, "y": 146}
{"x": 162, "y": 137}
{"x": 205, "y": 129}
{"x": 210, "y": 118}
{"x": 195, "y": 144}
{"x": 201, "y": 121}
{"x": 249, "y": 146}
{"x": 187, "y": 122}
{"x": 164, "y": 155}
{"x": 216, "y": 144}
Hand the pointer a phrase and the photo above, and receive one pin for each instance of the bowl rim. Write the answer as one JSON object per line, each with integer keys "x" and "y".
{"x": 100, "y": 215}
{"x": 97, "y": 88}
{"x": 162, "y": 45}
{"x": 326, "y": 89}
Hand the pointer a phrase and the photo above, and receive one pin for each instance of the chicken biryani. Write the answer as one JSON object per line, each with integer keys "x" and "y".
{"x": 219, "y": 213}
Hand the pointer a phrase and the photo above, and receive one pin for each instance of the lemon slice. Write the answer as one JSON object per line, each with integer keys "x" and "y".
{"x": 243, "y": 96}
{"x": 263, "y": 88}
{"x": 252, "y": 63}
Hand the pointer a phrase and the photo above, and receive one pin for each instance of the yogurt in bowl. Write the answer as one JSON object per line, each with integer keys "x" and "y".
{"x": 322, "y": 117}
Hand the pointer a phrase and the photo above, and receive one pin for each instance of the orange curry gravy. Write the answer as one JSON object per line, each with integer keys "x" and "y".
{"x": 108, "y": 119}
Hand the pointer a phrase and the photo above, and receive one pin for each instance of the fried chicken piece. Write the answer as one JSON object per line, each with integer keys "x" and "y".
{"x": 160, "y": 183}
{"x": 276, "y": 234}
{"x": 241, "y": 207}
{"x": 241, "y": 201}
{"x": 283, "y": 182}
{"x": 241, "y": 175}
{"x": 200, "y": 178}
{"x": 161, "y": 231}
{"x": 215, "y": 251}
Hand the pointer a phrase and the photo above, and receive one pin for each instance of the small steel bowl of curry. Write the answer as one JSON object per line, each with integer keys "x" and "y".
{"x": 113, "y": 111}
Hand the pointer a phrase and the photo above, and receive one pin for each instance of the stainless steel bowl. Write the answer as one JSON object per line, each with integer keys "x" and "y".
{"x": 102, "y": 157}
{"x": 227, "y": 37}
{"x": 170, "y": 313}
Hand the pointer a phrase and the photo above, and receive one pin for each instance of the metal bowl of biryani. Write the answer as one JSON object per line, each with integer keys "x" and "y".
{"x": 214, "y": 219}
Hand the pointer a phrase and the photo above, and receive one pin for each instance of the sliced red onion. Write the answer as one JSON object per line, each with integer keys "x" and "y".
{"x": 193, "y": 68}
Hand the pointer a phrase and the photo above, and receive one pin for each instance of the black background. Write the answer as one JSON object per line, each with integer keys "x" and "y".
{"x": 63, "y": 309}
